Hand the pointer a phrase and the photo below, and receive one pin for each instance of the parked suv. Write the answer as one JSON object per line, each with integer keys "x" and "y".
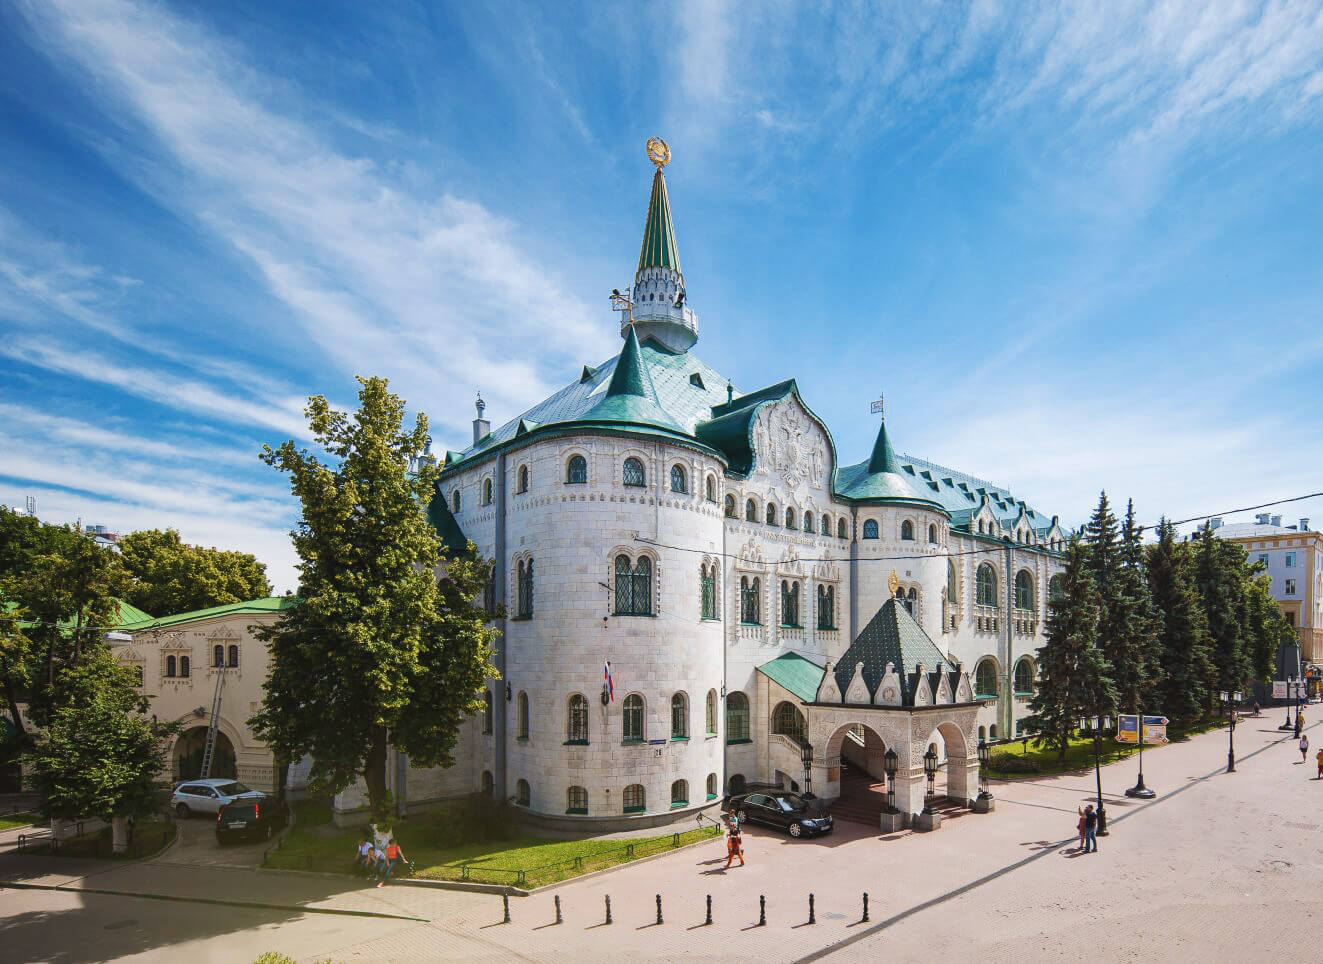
{"x": 251, "y": 819}
{"x": 208, "y": 796}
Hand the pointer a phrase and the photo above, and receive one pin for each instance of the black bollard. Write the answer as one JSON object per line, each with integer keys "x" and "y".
{"x": 659, "y": 916}
{"x": 558, "y": 908}
{"x": 762, "y": 911}
{"x": 865, "y": 917}
{"x": 709, "y": 910}
{"x": 608, "y": 908}
{"x": 505, "y": 900}
{"x": 812, "y": 918}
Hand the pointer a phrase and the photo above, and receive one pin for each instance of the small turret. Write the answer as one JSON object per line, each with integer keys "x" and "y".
{"x": 481, "y": 427}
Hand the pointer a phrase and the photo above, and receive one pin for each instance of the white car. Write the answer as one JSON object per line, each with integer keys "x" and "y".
{"x": 208, "y": 796}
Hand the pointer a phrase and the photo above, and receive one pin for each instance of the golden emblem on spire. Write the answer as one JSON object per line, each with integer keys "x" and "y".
{"x": 658, "y": 152}
{"x": 893, "y": 582}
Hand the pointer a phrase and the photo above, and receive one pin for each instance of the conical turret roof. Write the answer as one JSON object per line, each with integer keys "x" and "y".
{"x": 659, "y": 249}
{"x": 630, "y": 397}
{"x": 880, "y": 479}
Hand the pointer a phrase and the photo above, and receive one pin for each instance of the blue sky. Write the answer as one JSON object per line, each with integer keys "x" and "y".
{"x": 1076, "y": 245}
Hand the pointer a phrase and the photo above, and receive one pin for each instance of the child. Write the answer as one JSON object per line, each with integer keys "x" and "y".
{"x": 734, "y": 847}
{"x": 365, "y": 859}
{"x": 1080, "y": 827}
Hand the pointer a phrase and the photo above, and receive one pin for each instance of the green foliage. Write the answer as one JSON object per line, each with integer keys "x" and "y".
{"x": 1189, "y": 672}
{"x": 378, "y": 643}
{"x": 1074, "y": 677}
{"x": 1220, "y": 576}
{"x": 171, "y": 577}
{"x": 100, "y": 755}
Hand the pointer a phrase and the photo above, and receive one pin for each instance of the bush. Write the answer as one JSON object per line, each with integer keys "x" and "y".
{"x": 1013, "y": 763}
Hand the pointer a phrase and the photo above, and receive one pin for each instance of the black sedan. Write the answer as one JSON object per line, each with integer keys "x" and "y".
{"x": 778, "y": 808}
{"x": 251, "y": 819}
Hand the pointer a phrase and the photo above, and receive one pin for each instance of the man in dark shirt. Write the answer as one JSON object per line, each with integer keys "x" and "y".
{"x": 1090, "y": 828}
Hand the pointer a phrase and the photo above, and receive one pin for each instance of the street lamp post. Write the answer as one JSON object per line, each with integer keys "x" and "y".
{"x": 1290, "y": 690}
{"x": 930, "y": 770}
{"x": 1096, "y": 724}
{"x": 1139, "y": 790}
{"x": 984, "y": 755}
{"x": 806, "y": 754}
{"x": 1230, "y": 700}
{"x": 889, "y": 765}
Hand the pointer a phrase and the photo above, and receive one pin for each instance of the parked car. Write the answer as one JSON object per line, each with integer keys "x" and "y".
{"x": 251, "y": 819}
{"x": 208, "y": 796}
{"x": 784, "y": 810}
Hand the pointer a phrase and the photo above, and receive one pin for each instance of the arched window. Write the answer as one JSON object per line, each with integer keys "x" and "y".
{"x": 992, "y": 732}
{"x": 808, "y": 521}
{"x": 982, "y": 733}
{"x": 525, "y": 589}
{"x": 633, "y": 474}
{"x": 730, "y": 506}
{"x": 737, "y": 718}
{"x": 750, "y": 511}
{"x": 183, "y": 667}
{"x": 1024, "y": 590}
{"x": 870, "y": 528}
{"x": 633, "y": 586}
{"x": 737, "y": 783}
{"x": 635, "y": 798}
{"x": 951, "y": 590}
{"x": 521, "y": 716}
{"x": 218, "y": 656}
{"x": 932, "y": 533}
{"x": 1024, "y": 677}
{"x": 789, "y": 603}
{"x": 980, "y": 527}
{"x": 987, "y": 585}
{"x": 710, "y": 716}
{"x": 771, "y": 514}
{"x": 749, "y": 601}
{"x": 487, "y": 711}
{"x": 907, "y": 531}
{"x": 170, "y": 666}
{"x": 523, "y": 479}
{"x": 576, "y": 800}
{"x": 234, "y": 656}
{"x": 707, "y": 586}
{"x": 678, "y": 481}
{"x": 711, "y": 786}
{"x": 679, "y": 717}
{"x": 906, "y": 599}
{"x": 710, "y": 488}
{"x": 790, "y": 517}
{"x": 985, "y": 679}
{"x": 826, "y": 607}
{"x": 576, "y": 470}
{"x": 788, "y": 721}
{"x": 577, "y": 731}
{"x": 489, "y": 592}
{"x": 826, "y": 525}
{"x": 522, "y": 794}
{"x": 486, "y": 491}
{"x": 679, "y": 793}
{"x": 488, "y": 784}
{"x": 454, "y": 502}
{"x": 633, "y": 718}
{"x": 1056, "y": 587}
{"x": 842, "y": 531}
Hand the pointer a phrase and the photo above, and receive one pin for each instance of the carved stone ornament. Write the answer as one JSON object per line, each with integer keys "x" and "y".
{"x": 857, "y": 691}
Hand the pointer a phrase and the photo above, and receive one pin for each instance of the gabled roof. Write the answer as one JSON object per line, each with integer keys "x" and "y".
{"x": 795, "y": 673}
{"x": 269, "y": 604}
{"x": 659, "y": 248}
{"x": 891, "y": 636}
{"x": 125, "y": 613}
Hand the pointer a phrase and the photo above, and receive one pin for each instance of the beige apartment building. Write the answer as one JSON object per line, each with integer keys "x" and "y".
{"x": 1293, "y": 558}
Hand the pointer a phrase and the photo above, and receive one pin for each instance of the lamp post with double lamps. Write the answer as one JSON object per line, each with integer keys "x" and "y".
{"x": 984, "y": 757}
{"x": 1097, "y": 724}
{"x": 889, "y": 766}
{"x": 1290, "y": 689}
{"x": 930, "y": 771}
{"x": 806, "y": 755}
{"x": 1230, "y": 700}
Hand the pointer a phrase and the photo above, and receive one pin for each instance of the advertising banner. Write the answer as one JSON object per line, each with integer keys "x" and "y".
{"x": 1127, "y": 729}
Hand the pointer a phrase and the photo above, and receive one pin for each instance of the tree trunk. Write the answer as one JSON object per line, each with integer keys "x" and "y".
{"x": 374, "y": 774}
{"x": 11, "y": 697}
{"x": 119, "y": 834}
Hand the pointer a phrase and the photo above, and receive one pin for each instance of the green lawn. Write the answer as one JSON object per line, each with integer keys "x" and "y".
{"x": 12, "y": 820}
{"x": 1013, "y": 760}
{"x": 316, "y": 844}
{"x": 149, "y": 836}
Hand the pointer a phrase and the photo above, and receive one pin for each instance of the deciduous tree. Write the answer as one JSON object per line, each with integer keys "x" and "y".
{"x": 170, "y": 576}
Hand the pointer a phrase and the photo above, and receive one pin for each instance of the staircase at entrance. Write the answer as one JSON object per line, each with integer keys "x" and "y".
{"x": 862, "y": 798}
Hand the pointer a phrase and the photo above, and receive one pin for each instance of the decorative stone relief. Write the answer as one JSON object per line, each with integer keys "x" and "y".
{"x": 943, "y": 689}
{"x": 857, "y": 691}
{"x": 923, "y": 693}
{"x": 888, "y": 691}
{"x": 964, "y": 691}
{"x": 828, "y": 691}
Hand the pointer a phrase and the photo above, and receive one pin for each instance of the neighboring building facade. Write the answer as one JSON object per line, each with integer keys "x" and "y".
{"x": 713, "y": 548}
{"x": 1292, "y": 556}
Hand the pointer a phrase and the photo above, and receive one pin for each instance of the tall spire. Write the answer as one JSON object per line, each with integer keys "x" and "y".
{"x": 658, "y": 306}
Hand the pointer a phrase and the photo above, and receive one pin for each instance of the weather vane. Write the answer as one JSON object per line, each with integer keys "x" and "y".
{"x": 876, "y": 407}
{"x": 658, "y": 152}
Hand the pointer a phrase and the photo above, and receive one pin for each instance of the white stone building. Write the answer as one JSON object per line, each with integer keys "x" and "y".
{"x": 708, "y": 543}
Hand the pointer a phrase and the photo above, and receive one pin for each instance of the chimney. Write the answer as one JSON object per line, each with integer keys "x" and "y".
{"x": 1261, "y": 518}
{"x": 481, "y": 427}
{"x": 1276, "y": 520}
{"x": 1304, "y": 525}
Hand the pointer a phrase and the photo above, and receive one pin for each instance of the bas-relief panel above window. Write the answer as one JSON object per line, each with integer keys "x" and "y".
{"x": 790, "y": 448}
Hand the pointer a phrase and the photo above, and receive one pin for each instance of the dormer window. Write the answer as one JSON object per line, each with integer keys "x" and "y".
{"x": 697, "y": 381}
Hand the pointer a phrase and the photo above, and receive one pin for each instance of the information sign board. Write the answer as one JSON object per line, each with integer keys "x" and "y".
{"x": 1127, "y": 728}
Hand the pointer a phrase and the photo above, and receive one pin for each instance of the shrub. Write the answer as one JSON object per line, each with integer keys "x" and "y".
{"x": 1013, "y": 763}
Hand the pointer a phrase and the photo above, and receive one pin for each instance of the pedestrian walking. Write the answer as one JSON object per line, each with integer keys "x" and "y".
{"x": 734, "y": 845}
{"x": 1319, "y": 758}
{"x": 1080, "y": 828}
{"x": 1304, "y": 747}
{"x": 1090, "y": 819}
{"x": 393, "y": 856}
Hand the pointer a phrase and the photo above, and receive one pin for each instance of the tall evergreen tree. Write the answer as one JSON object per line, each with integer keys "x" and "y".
{"x": 379, "y": 643}
{"x": 1187, "y": 663}
{"x": 1266, "y": 629}
{"x": 1102, "y": 558}
{"x": 1073, "y": 675}
{"x": 1131, "y": 650}
{"x": 1220, "y": 576}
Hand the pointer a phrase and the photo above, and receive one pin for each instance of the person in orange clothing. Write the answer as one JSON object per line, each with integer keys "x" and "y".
{"x": 1319, "y": 758}
{"x": 734, "y": 845}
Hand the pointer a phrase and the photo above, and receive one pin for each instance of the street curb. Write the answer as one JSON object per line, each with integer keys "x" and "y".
{"x": 609, "y": 870}
{"x": 216, "y": 901}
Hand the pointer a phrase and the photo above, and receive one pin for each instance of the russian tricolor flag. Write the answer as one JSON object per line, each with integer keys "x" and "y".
{"x": 610, "y": 683}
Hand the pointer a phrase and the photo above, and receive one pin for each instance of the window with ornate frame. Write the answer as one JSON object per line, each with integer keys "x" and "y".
{"x": 710, "y": 488}
{"x": 870, "y": 528}
{"x": 632, "y": 473}
{"x": 679, "y": 482}
{"x": 632, "y": 718}
{"x": 808, "y": 521}
{"x": 770, "y": 515}
{"x": 737, "y": 718}
{"x": 633, "y": 586}
{"x": 986, "y": 585}
{"x": 907, "y": 531}
{"x": 750, "y": 591}
{"x": 576, "y": 470}
{"x": 790, "y": 517}
{"x": 750, "y": 511}
{"x": 932, "y": 533}
{"x": 1024, "y": 590}
{"x": 233, "y": 656}
{"x": 170, "y": 667}
{"x": 218, "y": 656}
{"x": 985, "y": 679}
{"x": 730, "y": 506}
{"x": 842, "y": 530}
{"x": 826, "y": 607}
{"x": 577, "y": 726}
{"x": 707, "y": 581}
{"x": 524, "y": 586}
{"x": 679, "y": 717}
{"x": 184, "y": 668}
{"x": 789, "y": 604}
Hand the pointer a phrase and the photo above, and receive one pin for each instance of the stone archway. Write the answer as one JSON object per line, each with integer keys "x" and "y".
{"x": 855, "y": 761}
{"x": 186, "y": 757}
{"x": 958, "y": 777}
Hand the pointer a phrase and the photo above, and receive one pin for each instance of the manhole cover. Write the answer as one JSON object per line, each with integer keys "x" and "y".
{"x": 116, "y": 925}
{"x": 1279, "y": 864}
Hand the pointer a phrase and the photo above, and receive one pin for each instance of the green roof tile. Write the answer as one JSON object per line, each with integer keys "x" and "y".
{"x": 797, "y": 674}
{"x": 891, "y": 636}
{"x": 270, "y": 604}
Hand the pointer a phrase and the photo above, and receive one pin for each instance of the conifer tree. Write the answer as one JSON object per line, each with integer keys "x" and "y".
{"x": 1183, "y": 631}
{"x": 1220, "y": 576}
{"x": 1266, "y": 629}
{"x": 1132, "y": 649}
{"x": 1073, "y": 675}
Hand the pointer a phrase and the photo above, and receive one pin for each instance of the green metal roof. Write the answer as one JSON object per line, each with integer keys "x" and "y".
{"x": 630, "y": 397}
{"x": 882, "y": 479}
{"x": 659, "y": 249}
{"x": 797, "y": 674}
{"x": 445, "y": 524}
{"x": 891, "y": 636}
{"x": 270, "y": 604}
